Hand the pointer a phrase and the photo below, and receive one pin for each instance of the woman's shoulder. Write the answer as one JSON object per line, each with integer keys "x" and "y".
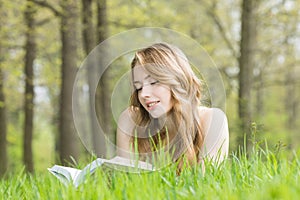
{"x": 209, "y": 109}
{"x": 126, "y": 122}
{"x": 216, "y": 134}
{"x": 207, "y": 113}
{"x": 213, "y": 121}
{"x": 128, "y": 113}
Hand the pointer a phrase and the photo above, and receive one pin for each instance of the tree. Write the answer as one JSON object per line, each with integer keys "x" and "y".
{"x": 291, "y": 76}
{"x": 68, "y": 140}
{"x": 87, "y": 26}
{"x": 103, "y": 90}
{"x": 30, "y": 55}
{"x": 3, "y": 128}
{"x": 89, "y": 42}
{"x": 246, "y": 64}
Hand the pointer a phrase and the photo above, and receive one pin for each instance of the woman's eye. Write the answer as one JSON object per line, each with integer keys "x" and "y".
{"x": 153, "y": 83}
{"x": 139, "y": 88}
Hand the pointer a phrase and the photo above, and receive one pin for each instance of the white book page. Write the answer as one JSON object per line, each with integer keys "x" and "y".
{"x": 69, "y": 175}
{"x": 118, "y": 161}
{"x": 65, "y": 174}
{"x": 89, "y": 169}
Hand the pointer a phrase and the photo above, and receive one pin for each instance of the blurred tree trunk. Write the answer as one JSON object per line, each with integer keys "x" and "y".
{"x": 89, "y": 42}
{"x": 88, "y": 27}
{"x": 291, "y": 99}
{"x": 103, "y": 92}
{"x": 3, "y": 143}
{"x": 3, "y": 128}
{"x": 246, "y": 64}
{"x": 291, "y": 104}
{"x": 260, "y": 95}
{"x": 56, "y": 120}
{"x": 69, "y": 146}
{"x": 30, "y": 54}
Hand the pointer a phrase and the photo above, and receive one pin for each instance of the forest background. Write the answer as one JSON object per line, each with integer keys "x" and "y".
{"x": 254, "y": 44}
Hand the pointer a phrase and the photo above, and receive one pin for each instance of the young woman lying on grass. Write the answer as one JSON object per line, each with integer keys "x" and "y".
{"x": 165, "y": 114}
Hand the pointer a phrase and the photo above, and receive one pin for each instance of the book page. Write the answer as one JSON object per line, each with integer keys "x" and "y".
{"x": 69, "y": 175}
{"x": 121, "y": 163}
{"x": 89, "y": 169}
{"x": 65, "y": 174}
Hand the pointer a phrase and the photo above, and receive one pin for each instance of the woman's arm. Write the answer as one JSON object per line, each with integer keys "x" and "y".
{"x": 124, "y": 132}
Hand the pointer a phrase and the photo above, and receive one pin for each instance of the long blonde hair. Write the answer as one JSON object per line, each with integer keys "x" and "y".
{"x": 169, "y": 65}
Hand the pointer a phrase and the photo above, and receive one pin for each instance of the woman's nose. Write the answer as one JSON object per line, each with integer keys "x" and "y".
{"x": 146, "y": 91}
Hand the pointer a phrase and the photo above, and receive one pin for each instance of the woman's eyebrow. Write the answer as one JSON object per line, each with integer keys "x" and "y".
{"x": 147, "y": 77}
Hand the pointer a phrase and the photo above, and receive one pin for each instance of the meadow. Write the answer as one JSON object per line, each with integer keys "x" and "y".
{"x": 262, "y": 173}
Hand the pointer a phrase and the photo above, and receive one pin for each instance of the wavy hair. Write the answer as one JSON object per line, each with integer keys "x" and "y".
{"x": 168, "y": 64}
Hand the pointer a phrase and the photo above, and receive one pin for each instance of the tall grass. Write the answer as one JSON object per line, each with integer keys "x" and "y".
{"x": 260, "y": 173}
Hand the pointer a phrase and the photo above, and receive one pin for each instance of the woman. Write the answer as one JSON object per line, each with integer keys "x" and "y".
{"x": 165, "y": 114}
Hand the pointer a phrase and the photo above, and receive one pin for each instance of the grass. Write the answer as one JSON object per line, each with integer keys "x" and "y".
{"x": 262, "y": 174}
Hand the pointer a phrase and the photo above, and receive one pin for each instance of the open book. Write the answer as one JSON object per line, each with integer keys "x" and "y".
{"x": 75, "y": 176}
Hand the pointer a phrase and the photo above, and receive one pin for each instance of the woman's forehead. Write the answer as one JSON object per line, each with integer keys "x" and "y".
{"x": 140, "y": 74}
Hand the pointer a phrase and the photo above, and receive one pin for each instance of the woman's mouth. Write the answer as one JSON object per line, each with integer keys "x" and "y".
{"x": 151, "y": 105}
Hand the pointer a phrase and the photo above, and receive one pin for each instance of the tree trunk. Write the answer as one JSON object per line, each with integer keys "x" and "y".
{"x": 103, "y": 92}
{"x": 3, "y": 130}
{"x": 291, "y": 104}
{"x": 87, "y": 26}
{"x": 246, "y": 62}
{"x": 30, "y": 49}
{"x": 69, "y": 146}
{"x": 89, "y": 43}
{"x": 260, "y": 96}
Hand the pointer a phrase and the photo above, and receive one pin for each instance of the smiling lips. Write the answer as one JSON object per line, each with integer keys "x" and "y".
{"x": 151, "y": 104}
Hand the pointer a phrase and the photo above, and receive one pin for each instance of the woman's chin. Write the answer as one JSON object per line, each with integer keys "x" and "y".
{"x": 156, "y": 115}
{"x": 158, "y": 112}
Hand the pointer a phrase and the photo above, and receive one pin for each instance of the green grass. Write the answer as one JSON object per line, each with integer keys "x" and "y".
{"x": 262, "y": 174}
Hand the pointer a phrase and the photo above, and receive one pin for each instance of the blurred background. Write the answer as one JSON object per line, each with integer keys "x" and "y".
{"x": 255, "y": 45}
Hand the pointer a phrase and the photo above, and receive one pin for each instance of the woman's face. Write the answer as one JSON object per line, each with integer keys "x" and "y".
{"x": 154, "y": 96}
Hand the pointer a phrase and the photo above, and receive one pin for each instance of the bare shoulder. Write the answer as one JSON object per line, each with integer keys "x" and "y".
{"x": 125, "y": 129}
{"x": 215, "y": 127}
{"x": 211, "y": 115}
{"x": 126, "y": 123}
